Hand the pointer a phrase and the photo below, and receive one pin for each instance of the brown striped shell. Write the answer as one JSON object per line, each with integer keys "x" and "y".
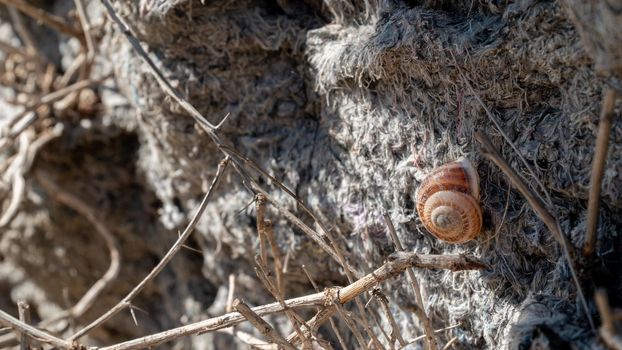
{"x": 448, "y": 202}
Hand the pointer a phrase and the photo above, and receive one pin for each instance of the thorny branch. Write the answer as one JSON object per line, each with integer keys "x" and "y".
{"x": 125, "y": 302}
{"x": 33, "y": 332}
{"x": 397, "y": 263}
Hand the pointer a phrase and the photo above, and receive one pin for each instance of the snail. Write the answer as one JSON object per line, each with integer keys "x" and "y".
{"x": 448, "y": 202}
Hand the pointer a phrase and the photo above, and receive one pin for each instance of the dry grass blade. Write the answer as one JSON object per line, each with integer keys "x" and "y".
{"x": 15, "y": 175}
{"x": 125, "y": 302}
{"x": 536, "y": 204}
{"x": 90, "y": 214}
{"x": 50, "y": 20}
{"x": 598, "y": 167}
{"x": 262, "y": 326}
{"x": 419, "y": 307}
{"x": 33, "y": 332}
{"x": 397, "y": 264}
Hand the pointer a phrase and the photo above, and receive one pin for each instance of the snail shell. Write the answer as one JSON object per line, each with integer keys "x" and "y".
{"x": 448, "y": 202}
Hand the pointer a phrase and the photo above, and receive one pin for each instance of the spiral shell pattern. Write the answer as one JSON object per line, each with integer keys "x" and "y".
{"x": 448, "y": 202}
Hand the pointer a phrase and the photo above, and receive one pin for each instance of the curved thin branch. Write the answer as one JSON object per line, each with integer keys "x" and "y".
{"x": 89, "y": 213}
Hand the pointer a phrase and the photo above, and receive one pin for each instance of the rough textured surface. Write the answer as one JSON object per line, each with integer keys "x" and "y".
{"x": 350, "y": 104}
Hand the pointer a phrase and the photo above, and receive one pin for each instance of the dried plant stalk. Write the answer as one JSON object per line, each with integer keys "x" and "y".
{"x": 397, "y": 264}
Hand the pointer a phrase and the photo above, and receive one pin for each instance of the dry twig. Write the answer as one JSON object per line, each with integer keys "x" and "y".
{"x": 21, "y": 121}
{"x": 421, "y": 337}
{"x": 598, "y": 167}
{"x": 24, "y": 315}
{"x": 33, "y": 332}
{"x": 607, "y": 328}
{"x": 419, "y": 307}
{"x": 397, "y": 264}
{"x": 332, "y": 322}
{"x": 347, "y": 319}
{"x": 153, "y": 68}
{"x": 273, "y": 284}
{"x": 262, "y": 326}
{"x": 50, "y": 20}
{"x": 396, "y": 334}
{"x": 22, "y": 31}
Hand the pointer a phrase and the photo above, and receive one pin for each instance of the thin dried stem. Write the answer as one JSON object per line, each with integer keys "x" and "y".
{"x": 419, "y": 307}
{"x": 15, "y": 174}
{"x": 450, "y": 343}
{"x": 91, "y": 215}
{"x": 50, "y": 20}
{"x": 260, "y": 207}
{"x": 396, "y": 334}
{"x": 86, "y": 30}
{"x": 540, "y": 209}
{"x": 230, "y": 294}
{"x": 376, "y": 317}
{"x": 21, "y": 30}
{"x": 333, "y": 325}
{"x": 301, "y": 225}
{"x": 262, "y": 326}
{"x": 126, "y": 301}
{"x": 347, "y": 319}
{"x": 250, "y": 340}
{"x": 421, "y": 337}
{"x": 273, "y": 284}
{"x": 32, "y": 332}
{"x": 155, "y": 71}
{"x": 22, "y": 120}
{"x": 450, "y": 262}
{"x": 10, "y": 48}
{"x": 607, "y": 328}
{"x": 334, "y": 251}
{"x": 397, "y": 264}
{"x": 598, "y": 168}
{"x": 23, "y": 310}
